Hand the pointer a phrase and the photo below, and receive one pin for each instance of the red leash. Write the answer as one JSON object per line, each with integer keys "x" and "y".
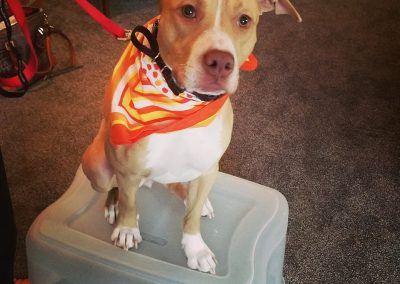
{"x": 105, "y": 22}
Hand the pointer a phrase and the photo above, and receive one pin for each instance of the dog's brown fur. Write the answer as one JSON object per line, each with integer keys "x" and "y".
{"x": 178, "y": 36}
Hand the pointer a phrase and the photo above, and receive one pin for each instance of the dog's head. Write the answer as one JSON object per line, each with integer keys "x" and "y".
{"x": 205, "y": 41}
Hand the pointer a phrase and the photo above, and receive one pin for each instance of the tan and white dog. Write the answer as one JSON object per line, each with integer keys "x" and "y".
{"x": 204, "y": 42}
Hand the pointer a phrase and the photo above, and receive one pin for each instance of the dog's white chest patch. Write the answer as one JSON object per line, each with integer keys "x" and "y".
{"x": 184, "y": 155}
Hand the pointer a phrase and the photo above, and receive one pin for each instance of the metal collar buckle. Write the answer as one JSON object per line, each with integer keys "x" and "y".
{"x": 127, "y": 36}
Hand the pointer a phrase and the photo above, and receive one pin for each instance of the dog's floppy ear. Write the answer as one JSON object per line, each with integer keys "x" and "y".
{"x": 280, "y": 7}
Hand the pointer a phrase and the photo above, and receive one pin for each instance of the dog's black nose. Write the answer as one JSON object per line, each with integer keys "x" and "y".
{"x": 218, "y": 63}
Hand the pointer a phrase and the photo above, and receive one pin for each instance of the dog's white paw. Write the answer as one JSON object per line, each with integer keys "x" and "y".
{"x": 207, "y": 210}
{"x": 126, "y": 237}
{"x": 111, "y": 212}
{"x": 199, "y": 256}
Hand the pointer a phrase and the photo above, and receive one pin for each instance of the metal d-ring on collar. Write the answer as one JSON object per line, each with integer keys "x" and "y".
{"x": 154, "y": 53}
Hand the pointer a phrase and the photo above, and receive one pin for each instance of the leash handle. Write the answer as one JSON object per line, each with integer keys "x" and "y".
{"x": 154, "y": 53}
{"x": 154, "y": 50}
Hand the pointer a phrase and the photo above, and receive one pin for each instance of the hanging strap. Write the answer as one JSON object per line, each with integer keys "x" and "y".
{"x": 30, "y": 69}
{"x": 154, "y": 53}
{"x": 47, "y": 32}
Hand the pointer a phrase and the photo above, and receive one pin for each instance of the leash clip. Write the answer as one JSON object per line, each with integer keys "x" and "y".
{"x": 127, "y": 35}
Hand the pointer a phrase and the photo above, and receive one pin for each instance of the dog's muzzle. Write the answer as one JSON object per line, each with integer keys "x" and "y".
{"x": 215, "y": 62}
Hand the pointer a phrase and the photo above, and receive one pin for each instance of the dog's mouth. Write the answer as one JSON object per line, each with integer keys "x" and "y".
{"x": 212, "y": 87}
{"x": 213, "y": 72}
{"x": 205, "y": 91}
{"x": 199, "y": 81}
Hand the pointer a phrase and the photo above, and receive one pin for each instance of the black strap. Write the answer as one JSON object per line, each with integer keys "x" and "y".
{"x": 10, "y": 46}
{"x": 8, "y": 239}
{"x": 154, "y": 53}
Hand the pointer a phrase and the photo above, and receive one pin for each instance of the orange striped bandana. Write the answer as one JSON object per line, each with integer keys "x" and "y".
{"x": 142, "y": 103}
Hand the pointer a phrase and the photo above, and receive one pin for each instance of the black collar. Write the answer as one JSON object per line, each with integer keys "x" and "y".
{"x": 154, "y": 53}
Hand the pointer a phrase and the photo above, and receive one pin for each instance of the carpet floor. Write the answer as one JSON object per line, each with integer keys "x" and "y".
{"x": 319, "y": 120}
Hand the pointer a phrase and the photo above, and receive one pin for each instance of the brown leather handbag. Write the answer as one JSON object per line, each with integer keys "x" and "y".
{"x": 18, "y": 53}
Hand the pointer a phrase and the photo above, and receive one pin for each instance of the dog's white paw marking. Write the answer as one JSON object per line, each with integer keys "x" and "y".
{"x": 199, "y": 256}
{"x": 146, "y": 182}
{"x": 126, "y": 237}
{"x": 207, "y": 210}
{"x": 111, "y": 213}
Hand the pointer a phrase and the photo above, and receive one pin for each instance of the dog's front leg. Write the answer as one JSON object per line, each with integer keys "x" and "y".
{"x": 197, "y": 252}
{"x": 126, "y": 233}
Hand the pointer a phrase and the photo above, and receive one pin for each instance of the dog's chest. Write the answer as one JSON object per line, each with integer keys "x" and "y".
{"x": 186, "y": 154}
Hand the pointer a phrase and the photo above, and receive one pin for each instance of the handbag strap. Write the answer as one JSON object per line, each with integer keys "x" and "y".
{"x": 50, "y": 30}
{"x": 25, "y": 72}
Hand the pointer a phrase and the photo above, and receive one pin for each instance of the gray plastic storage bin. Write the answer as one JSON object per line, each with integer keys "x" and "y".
{"x": 69, "y": 242}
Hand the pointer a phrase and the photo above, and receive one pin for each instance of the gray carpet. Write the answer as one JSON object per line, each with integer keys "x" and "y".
{"x": 319, "y": 121}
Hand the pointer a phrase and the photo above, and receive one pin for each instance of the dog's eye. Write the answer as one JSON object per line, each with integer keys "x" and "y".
{"x": 189, "y": 11}
{"x": 244, "y": 21}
